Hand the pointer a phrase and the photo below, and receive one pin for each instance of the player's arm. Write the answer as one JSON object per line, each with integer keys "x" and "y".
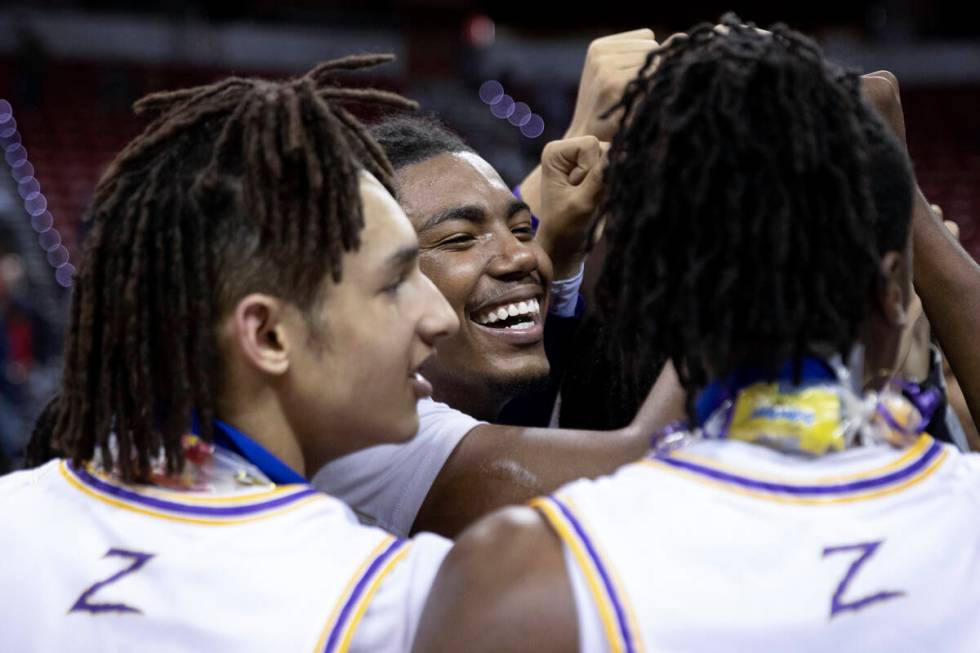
{"x": 496, "y": 466}
{"x": 503, "y": 587}
{"x": 947, "y": 278}
{"x": 610, "y": 63}
{"x": 948, "y": 281}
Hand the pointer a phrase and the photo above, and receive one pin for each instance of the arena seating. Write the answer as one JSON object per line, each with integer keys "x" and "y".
{"x": 70, "y": 138}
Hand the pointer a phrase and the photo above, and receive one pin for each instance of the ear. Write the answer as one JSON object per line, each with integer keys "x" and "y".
{"x": 262, "y": 334}
{"x": 891, "y": 296}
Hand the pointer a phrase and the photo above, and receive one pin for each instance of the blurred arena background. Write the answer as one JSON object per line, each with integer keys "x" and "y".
{"x": 503, "y": 74}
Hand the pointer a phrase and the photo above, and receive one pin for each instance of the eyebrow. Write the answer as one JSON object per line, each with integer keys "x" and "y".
{"x": 470, "y": 213}
{"x": 402, "y": 257}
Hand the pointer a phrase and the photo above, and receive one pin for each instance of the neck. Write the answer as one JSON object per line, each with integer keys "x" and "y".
{"x": 261, "y": 418}
{"x": 477, "y": 400}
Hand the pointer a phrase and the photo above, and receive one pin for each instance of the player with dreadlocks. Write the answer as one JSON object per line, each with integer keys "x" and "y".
{"x": 250, "y": 306}
{"x": 759, "y": 219}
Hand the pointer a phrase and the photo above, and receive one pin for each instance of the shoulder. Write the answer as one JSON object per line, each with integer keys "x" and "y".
{"x": 403, "y": 581}
{"x": 16, "y": 483}
{"x": 387, "y": 484}
{"x": 502, "y": 587}
{"x": 440, "y": 430}
{"x": 437, "y": 417}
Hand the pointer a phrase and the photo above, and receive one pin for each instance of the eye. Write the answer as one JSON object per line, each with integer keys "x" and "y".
{"x": 523, "y": 231}
{"x": 393, "y": 287}
{"x": 456, "y": 240}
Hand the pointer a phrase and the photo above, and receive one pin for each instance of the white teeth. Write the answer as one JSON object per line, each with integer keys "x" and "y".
{"x": 521, "y": 326}
{"x": 530, "y": 306}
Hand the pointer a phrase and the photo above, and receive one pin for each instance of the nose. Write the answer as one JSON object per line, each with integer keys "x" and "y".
{"x": 513, "y": 257}
{"x": 439, "y": 320}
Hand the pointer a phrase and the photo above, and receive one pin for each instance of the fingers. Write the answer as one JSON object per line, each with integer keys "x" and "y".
{"x": 622, "y": 47}
{"x": 568, "y": 155}
{"x": 588, "y": 171}
{"x": 887, "y": 76}
{"x": 593, "y": 175}
{"x": 643, "y": 33}
{"x": 880, "y": 84}
{"x": 952, "y": 227}
{"x": 881, "y": 90}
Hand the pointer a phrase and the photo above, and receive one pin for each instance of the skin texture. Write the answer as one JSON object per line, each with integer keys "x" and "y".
{"x": 350, "y": 364}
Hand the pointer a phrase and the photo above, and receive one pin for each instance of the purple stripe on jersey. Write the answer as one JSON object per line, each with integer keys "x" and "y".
{"x": 183, "y": 508}
{"x": 606, "y": 581}
{"x": 358, "y": 590}
{"x": 803, "y": 490}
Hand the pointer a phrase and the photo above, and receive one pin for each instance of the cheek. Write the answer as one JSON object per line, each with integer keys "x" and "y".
{"x": 454, "y": 275}
{"x": 545, "y": 266}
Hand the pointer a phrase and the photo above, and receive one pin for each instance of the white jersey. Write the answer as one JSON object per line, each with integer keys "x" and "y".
{"x": 91, "y": 564}
{"x": 387, "y": 484}
{"x": 731, "y": 546}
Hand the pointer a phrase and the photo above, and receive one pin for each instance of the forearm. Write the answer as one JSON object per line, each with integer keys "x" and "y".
{"x": 497, "y": 466}
{"x": 947, "y": 280}
{"x": 530, "y": 190}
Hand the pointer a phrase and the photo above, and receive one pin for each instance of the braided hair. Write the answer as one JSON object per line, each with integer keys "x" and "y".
{"x": 750, "y": 194}
{"x": 244, "y": 185}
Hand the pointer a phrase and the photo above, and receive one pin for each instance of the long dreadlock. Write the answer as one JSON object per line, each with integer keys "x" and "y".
{"x": 750, "y": 193}
{"x": 244, "y": 185}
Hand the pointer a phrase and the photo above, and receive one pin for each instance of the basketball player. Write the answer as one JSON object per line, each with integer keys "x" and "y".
{"x": 250, "y": 307}
{"x": 760, "y": 210}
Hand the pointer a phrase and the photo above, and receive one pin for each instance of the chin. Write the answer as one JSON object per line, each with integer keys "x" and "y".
{"x": 526, "y": 379}
{"x": 404, "y": 429}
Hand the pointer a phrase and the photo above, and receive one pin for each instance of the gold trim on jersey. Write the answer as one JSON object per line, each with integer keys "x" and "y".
{"x": 176, "y": 506}
{"x": 908, "y": 470}
{"x": 338, "y": 633}
{"x": 615, "y": 612}
{"x": 913, "y": 452}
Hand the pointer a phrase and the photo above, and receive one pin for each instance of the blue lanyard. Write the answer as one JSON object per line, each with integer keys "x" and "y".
{"x": 227, "y": 436}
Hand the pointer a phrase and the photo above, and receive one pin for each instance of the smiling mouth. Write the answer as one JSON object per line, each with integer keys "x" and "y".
{"x": 515, "y": 316}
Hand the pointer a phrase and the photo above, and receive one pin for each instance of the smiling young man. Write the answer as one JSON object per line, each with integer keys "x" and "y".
{"x": 479, "y": 248}
{"x": 248, "y": 276}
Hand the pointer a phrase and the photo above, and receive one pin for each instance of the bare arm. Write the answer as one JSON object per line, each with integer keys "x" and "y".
{"x": 947, "y": 279}
{"x": 503, "y": 587}
{"x": 496, "y": 466}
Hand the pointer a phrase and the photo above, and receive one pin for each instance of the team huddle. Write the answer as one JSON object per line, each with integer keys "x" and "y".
{"x": 315, "y": 369}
